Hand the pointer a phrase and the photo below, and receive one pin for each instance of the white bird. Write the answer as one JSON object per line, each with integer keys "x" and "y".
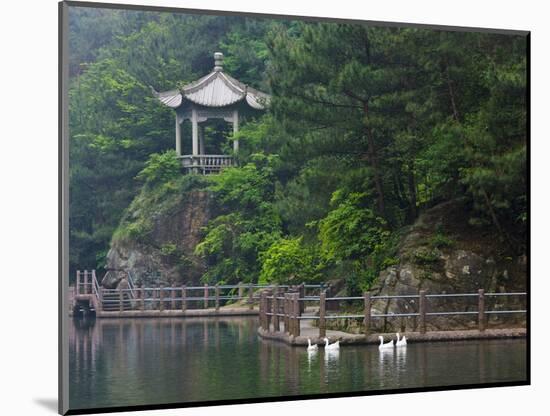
{"x": 387, "y": 345}
{"x": 401, "y": 342}
{"x": 310, "y": 347}
{"x": 332, "y": 347}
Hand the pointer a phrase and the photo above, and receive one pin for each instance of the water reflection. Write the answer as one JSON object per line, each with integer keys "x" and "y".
{"x": 401, "y": 359}
{"x": 148, "y": 361}
{"x": 311, "y": 356}
{"x": 331, "y": 358}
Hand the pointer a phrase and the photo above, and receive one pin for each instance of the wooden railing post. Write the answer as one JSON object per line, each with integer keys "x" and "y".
{"x": 481, "y": 310}
{"x": 92, "y": 281}
{"x": 241, "y": 291}
{"x": 268, "y": 308}
{"x": 142, "y": 294}
{"x": 85, "y": 282}
{"x": 120, "y": 301}
{"x": 275, "y": 310}
{"x": 262, "y": 310}
{"x": 183, "y": 298}
{"x": 367, "y": 306}
{"x": 422, "y": 311}
{"x": 322, "y": 309}
{"x": 136, "y": 298}
{"x": 295, "y": 308}
{"x": 250, "y": 296}
{"x": 161, "y": 298}
{"x": 286, "y": 312}
{"x": 100, "y": 299}
{"x": 78, "y": 282}
{"x": 217, "y": 297}
{"x": 291, "y": 314}
{"x": 302, "y": 292}
{"x": 206, "y": 296}
{"x": 173, "y": 295}
{"x": 297, "y": 314}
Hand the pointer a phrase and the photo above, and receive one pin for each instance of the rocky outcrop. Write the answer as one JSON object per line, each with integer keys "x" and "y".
{"x": 165, "y": 255}
{"x": 442, "y": 254}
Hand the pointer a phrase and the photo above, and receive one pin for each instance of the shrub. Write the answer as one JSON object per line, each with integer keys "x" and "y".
{"x": 425, "y": 255}
{"x": 288, "y": 261}
{"x": 439, "y": 240}
{"x": 160, "y": 168}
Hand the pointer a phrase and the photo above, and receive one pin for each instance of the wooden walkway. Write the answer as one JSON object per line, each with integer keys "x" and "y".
{"x": 285, "y": 317}
{"x": 290, "y": 314}
{"x": 129, "y": 300}
{"x": 195, "y": 313}
{"x": 345, "y": 338}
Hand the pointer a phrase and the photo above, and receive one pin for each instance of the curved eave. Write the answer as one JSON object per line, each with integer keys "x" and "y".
{"x": 257, "y": 102}
{"x": 171, "y": 98}
{"x": 216, "y": 89}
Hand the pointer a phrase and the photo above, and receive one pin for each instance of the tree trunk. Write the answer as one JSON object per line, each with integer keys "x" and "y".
{"x": 505, "y": 236}
{"x": 447, "y": 76}
{"x": 373, "y": 158}
{"x": 412, "y": 193}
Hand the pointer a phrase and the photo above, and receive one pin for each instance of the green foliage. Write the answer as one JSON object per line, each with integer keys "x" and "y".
{"x": 152, "y": 202}
{"x": 367, "y": 126}
{"x": 247, "y": 224}
{"x": 246, "y": 52}
{"x": 351, "y": 231}
{"x": 115, "y": 121}
{"x": 161, "y": 168}
{"x": 440, "y": 240}
{"x": 247, "y": 187}
{"x": 168, "y": 249}
{"x": 288, "y": 261}
{"x": 426, "y": 256}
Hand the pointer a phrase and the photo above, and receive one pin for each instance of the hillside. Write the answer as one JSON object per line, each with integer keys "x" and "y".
{"x": 442, "y": 253}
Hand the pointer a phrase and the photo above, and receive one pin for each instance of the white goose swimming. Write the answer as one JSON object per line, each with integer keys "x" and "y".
{"x": 385, "y": 346}
{"x": 310, "y": 347}
{"x": 401, "y": 342}
{"x": 332, "y": 347}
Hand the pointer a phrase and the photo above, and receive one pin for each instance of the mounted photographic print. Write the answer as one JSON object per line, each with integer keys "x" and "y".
{"x": 259, "y": 208}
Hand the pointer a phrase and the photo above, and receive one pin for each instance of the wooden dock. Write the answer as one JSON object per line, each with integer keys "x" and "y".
{"x": 285, "y": 317}
{"x": 290, "y": 314}
{"x": 167, "y": 313}
{"x": 346, "y": 338}
{"x": 128, "y": 300}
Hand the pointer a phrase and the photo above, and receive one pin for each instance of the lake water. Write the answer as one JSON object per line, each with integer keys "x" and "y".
{"x": 169, "y": 360}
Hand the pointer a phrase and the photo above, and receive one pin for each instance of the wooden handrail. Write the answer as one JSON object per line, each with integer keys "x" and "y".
{"x": 292, "y": 310}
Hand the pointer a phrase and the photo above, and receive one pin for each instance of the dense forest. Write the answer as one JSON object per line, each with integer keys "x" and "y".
{"x": 367, "y": 127}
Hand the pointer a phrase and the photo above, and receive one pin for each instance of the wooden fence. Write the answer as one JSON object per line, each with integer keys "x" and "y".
{"x": 181, "y": 298}
{"x": 278, "y": 306}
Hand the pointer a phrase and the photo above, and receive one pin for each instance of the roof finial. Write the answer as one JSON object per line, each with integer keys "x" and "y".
{"x": 218, "y": 61}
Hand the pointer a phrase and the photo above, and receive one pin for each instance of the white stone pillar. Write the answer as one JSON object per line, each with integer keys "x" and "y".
{"x": 178, "y": 136}
{"x": 235, "y": 130}
{"x": 195, "y": 128}
{"x": 201, "y": 140}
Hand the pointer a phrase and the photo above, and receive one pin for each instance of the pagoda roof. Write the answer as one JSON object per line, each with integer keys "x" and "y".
{"x": 217, "y": 89}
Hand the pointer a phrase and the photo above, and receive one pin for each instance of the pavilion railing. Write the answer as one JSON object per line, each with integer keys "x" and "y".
{"x": 208, "y": 162}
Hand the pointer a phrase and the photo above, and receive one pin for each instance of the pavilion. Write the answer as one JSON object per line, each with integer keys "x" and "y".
{"x": 214, "y": 96}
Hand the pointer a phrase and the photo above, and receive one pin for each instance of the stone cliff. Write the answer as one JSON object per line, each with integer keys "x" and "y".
{"x": 442, "y": 253}
{"x": 158, "y": 234}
